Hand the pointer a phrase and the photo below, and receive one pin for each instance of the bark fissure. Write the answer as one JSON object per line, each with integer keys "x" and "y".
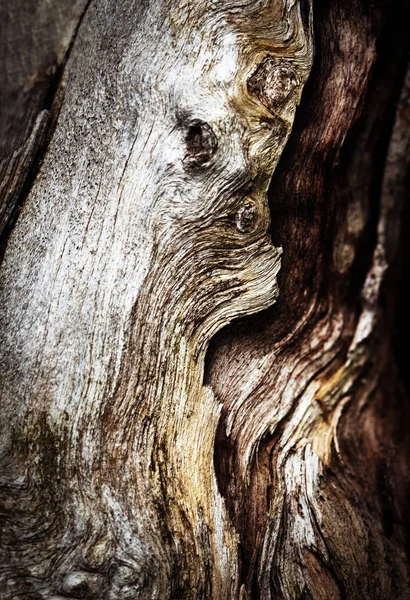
{"x": 21, "y": 158}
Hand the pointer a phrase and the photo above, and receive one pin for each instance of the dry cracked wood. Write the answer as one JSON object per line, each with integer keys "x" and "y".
{"x": 286, "y": 476}
{"x": 310, "y": 450}
{"x": 145, "y": 232}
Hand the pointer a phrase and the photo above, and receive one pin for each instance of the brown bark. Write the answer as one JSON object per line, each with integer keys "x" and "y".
{"x": 337, "y": 202}
{"x": 310, "y": 454}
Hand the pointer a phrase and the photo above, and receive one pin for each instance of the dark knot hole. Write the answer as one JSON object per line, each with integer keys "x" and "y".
{"x": 201, "y": 143}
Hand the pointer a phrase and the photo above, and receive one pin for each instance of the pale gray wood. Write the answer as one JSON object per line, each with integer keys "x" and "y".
{"x": 145, "y": 232}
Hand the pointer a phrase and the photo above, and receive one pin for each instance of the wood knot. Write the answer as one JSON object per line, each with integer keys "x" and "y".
{"x": 201, "y": 143}
{"x": 83, "y": 584}
{"x": 273, "y": 81}
{"x": 245, "y": 216}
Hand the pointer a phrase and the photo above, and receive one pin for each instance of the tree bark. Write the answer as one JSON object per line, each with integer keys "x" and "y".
{"x": 139, "y": 142}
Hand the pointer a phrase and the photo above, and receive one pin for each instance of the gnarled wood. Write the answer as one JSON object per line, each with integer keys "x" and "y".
{"x": 146, "y": 231}
{"x": 134, "y": 462}
{"x": 310, "y": 447}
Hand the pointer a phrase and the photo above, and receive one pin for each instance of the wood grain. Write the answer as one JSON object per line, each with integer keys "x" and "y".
{"x": 203, "y": 382}
{"x": 144, "y": 233}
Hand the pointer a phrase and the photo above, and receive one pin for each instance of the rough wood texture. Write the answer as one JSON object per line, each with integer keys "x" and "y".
{"x": 145, "y": 233}
{"x": 35, "y": 40}
{"x": 311, "y": 453}
{"x": 134, "y": 465}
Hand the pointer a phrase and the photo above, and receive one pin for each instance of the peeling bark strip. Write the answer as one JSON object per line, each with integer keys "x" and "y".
{"x": 145, "y": 232}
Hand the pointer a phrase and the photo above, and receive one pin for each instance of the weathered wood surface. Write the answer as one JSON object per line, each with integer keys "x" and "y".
{"x": 311, "y": 450}
{"x": 145, "y": 232}
{"x": 35, "y": 40}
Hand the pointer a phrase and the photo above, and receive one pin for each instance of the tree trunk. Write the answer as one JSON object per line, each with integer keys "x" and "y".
{"x": 150, "y": 447}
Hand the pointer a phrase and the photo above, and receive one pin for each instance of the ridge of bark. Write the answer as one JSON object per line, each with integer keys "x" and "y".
{"x": 20, "y": 164}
